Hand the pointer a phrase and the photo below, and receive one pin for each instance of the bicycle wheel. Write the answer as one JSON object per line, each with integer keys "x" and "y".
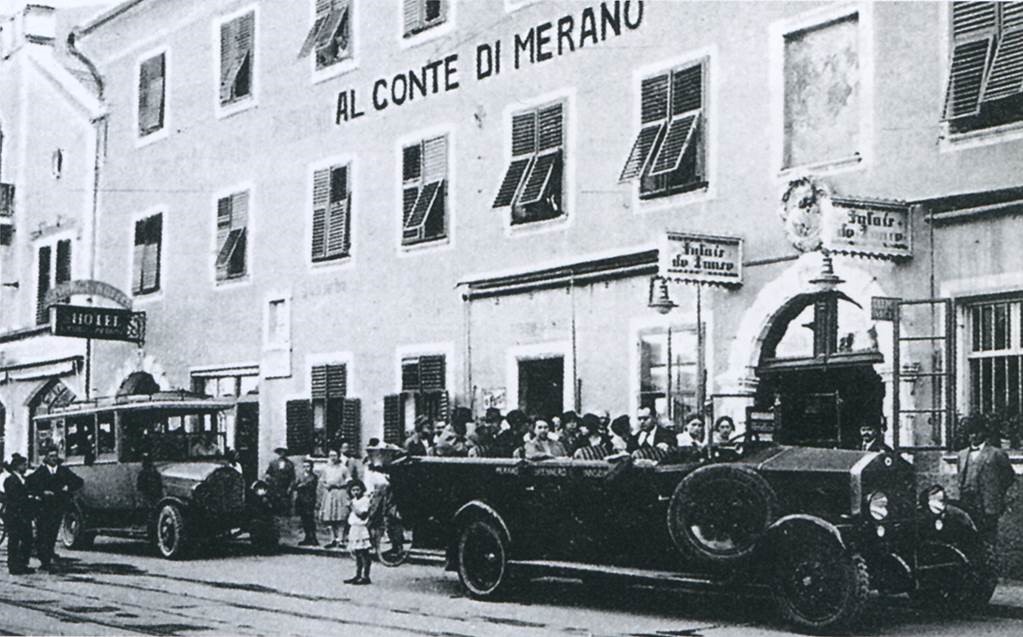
{"x": 394, "y": 544}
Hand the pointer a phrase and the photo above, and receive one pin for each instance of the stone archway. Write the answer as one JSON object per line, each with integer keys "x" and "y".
{"x": 138, "y": 383}
{"x": 136, "y": 364}
{"x": 51, "y": 395}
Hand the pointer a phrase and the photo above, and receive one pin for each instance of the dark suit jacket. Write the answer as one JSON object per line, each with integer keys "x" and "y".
{"x": 60, "y": 485}
{"x": 18, "y": 499}
{"x": 989, "y": 479}
{"x": 660, "y": 435}
{"x": 878, "y": 445}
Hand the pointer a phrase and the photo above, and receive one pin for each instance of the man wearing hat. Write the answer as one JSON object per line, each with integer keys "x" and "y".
{"x": 53, "y": 483}
{"x": 985, "y": 474}
{"x": 280, "y": 477}
{"x": 18, "y": 517}
{"x": 872, "y": 438}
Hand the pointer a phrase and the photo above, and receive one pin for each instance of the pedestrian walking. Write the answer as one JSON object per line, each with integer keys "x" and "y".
{"x": 53, "y": 483}
{"x": 280, "y": 477}
{"x": 358, "y": 540}
{"x": 305, "y": 502}
{"x": 985, "y": 474}
{"x": 335, "y": 509}
{"x": 18, "y": 516}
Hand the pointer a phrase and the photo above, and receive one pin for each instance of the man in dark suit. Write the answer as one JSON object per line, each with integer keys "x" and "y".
{"x": 872, "y": 438}
{"x": 53, "y": 483}
{"x": 985, "y": 474}
{"x": 18, "y": 517}
{"x": 651, "y": 434}
{"x": 280, "y": 477}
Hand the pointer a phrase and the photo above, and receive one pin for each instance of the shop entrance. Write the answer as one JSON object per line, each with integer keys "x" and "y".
{"x": 817, "y": 372}
{"x": 542, "y": 386}
{"x": 246, "y": 436}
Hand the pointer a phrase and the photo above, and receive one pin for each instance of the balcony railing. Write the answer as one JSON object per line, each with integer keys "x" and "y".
{"x": 6, "y": 200}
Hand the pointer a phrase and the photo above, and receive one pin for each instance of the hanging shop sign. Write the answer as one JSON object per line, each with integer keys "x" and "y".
{"x": 883, "y": 308}
{"x": 702, "y": 259}
{"x": 869, "y": 228}
{"x": 86, "y": 287}
{"x": 102, "y": 323}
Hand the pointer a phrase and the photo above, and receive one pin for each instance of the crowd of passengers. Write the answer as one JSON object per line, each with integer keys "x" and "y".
{"x": 587, "y": 437}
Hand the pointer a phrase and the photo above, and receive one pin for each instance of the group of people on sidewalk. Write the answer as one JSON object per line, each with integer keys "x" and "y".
{"x": 34, "y": 504}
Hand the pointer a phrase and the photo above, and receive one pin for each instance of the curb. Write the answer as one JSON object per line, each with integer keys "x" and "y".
{"x": 417, "y": 556}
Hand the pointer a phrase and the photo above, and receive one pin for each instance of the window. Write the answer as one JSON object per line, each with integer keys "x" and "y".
{"x": 145, "y": 274}
{"x": 323, "y": 423}
{"x": 237, "y": 50}
{"x": 330, "y": 35}
{"x": 50, "y": 273}
{"x": 424, "y": 169}
{"x": 985, "y": 78}
{"x": 822, "y": 93}
{"x": 232, "y": 217}
{"x": 332, "y": 198}
{"x": 423, "y": 384}
{"x": 57, "y": 163}
{"x": 668, "y": 155}
{"x": 995, "y": 357}
{"x": 420, "y": 15}
{"x": 533, "y": 184}
{"x": 152, "y": 93}
{"x": 668, "y": 371}
{"x": 278, "y": 328}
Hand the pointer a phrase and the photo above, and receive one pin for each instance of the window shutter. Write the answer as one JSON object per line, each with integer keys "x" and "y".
{"x": 337, "y": 381}
{"x": 331, "y": 26}
{"x": 413, "y": 19}
{"x": 42, "y": 285}
{"x": 444, "y": 406}
{"x": 427, "y": 200}
{"x": 319, "y": 382}
{"x": 394, "y": 419}
{"x": 435, "y": 159}
{"x": 687, "y": 90}
{"x": 139, "y": 253}
{"x": 431, "y": 373}
{"x": 536, "y": 186}
{"x": 228, "y": 54}
{"x": 321, "y": 201}
{"x": 409, "y": 196}
{"x": 511, "y": 181}
{"x": 351, "y": 424}
{"x": 150, "y": 280}
{"x": 1012, "y": 15}
{"x": 640, "y": 152}
{"x": 969, "y": 18}
{"x": 1006, "y": 76}
{"x": 239, "y": 209}
{"x": 654, "y": 99}
{"x": 524, "y": 134}
{"x": 223, "y": 235}
{"x": 550, "y": 122}
{"x": 299, "y": 426}
{"x": 338, "y": 214}
{"x": 410, "y": 375}
{"x": 63, "y": 270}
{"x": 151, "y": 94}
{"x": 676, "y": 142}
{"x": 966, "y": 76}
{"x": 322, "y": 10}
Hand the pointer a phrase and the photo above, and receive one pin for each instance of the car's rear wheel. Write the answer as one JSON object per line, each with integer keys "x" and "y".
{"x": 171, "y": 532}
{"x": 821, "y": 588}
{"x": 482, "y": 559}
{"x": 72, "y": 531}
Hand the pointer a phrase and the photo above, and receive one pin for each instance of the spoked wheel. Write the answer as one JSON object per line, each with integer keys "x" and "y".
{"x": 72, "y": 531}
{"x": 482, "y": 559}
{"x": 821, "y": 590}
{"x": 394, "y": 543}
{"x": 171, "y": 533}
{"x": 970, "y": 590}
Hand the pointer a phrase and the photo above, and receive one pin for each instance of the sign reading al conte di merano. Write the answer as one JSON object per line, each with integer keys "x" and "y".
{"x": 544, "y": 41}
{"x": 702, "y": 259}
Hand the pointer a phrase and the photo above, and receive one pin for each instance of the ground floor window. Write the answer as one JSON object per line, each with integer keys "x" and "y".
{"x": 668, "y": 376}
{"x": 995, "y": 362}
{"x": 542, "y": 386}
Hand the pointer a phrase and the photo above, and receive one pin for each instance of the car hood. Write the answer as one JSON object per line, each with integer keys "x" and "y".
{"x": 813, "y": 460}
{"x": 197, "y": 471}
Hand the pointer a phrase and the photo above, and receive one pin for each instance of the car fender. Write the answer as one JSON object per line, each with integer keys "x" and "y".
{"x": 482, "y": 508}
{"x": 791, "y": 527}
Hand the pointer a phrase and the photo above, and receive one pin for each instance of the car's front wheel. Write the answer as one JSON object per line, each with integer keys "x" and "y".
{"x": 482, "y": 559}
{"x": 821, "y": 590}
{"x": 969, "y": 590}
{"x": 171, "y": 532}
{"x": 72, "y": 531}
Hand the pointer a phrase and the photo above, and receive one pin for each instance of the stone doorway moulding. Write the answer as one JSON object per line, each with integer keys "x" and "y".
{"x": 137, "y": 364}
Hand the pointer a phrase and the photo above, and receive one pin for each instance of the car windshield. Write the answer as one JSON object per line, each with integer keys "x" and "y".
{"x": 172, "y": 437}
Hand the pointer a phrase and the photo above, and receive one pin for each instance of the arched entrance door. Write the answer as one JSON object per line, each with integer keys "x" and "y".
{"x": 817, "y": 371}
{"x": 138, "y": 383}
{"x": 52, "y": 395}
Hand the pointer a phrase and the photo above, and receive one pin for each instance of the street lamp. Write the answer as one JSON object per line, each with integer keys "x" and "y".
{"x": 660, "y": 297}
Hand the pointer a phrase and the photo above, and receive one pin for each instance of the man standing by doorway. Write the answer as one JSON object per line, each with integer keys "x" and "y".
{"x": 18, "y": 517}
{"x": 985, "y": 474}
{"x": 53, "y": 483}
{"x": 872, "y": 438}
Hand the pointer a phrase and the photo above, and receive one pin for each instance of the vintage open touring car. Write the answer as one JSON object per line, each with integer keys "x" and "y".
{"x": 818, "y": 529}
{"x": 153, "y": 468}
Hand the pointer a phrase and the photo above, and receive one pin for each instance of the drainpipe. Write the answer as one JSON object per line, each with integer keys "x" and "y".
{"x": 100, "y": 124}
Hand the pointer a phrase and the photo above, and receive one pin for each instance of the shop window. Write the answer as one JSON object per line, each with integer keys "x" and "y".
{"x": 668, "y": 155}
{"x": 420, "y": 15}
{"x": 330, "y": 35}
{"x": 822, "y": 93}
{"x": 423, "y": 386}
{"x": 232, "y": 220}
{"x": 985, "y": 77}
{"x": 424, "y": 168}
{"x": 51, "y": 272}
{"x": 331, "y": 238}
{"x": 533, "y": 185}
{"x": 152, "y": 94}
{"x": 145, "y": 277}
{"x": 668, "y": 371}
{"x": 995, "y": 356}
{"x": 237, "y": 52}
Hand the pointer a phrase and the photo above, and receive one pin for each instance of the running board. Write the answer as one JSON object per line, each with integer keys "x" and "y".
{"x": 687, "y": 580}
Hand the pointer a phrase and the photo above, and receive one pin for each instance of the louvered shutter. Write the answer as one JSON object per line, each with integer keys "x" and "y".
{"x": 411, "y": 175}
{"x": 966, "y": 77}
{"x": 435, "y": 159}
{"x": 337, "y": 381}
{"x": 539, "y": 179}
{"x": 970, "y": 18}
{"x": 524, "y": 145}
{"x": 431, "y": 373}
{"x": 394, "y": 419}
{"x": 299, "y": 426}
{"x": 429, "y": 200}
{"x": 351, "y": 424}
{"x": 151, "y": 94}
{"x": 410, "y": 375}
{"x": 138, "y": 256}
{"x": 1006, "y": 76}
{"x": 318, "y": 387}
{"x": 412, "y": 14}
{"x": 42, "y": 285}
{"x": 63, "y": 269}
{"x": 425, "y": 203}
{"x": 242, "y": 86}
{"x": 524, "y": 133}
{"x": 321, "y": 201}
{"x": 223, "y": 235}
{"x": 676, "y": 142}
{"x": 323, "y": 8}
{"x": 153, "y": 231}
{"x": 444, "y": 406}
{"x": 550, "y": 125}
{"x": 228, "y": 55}
{"x": 687, "y": 90}
{"x": 654, "y": 93}
{"x": 331, "y": 26}
{"x": 338, "y": 213}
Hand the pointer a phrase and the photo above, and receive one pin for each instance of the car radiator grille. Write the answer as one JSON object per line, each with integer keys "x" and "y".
{"x": 223, "y": 492}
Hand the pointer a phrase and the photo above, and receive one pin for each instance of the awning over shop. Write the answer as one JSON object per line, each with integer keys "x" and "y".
{"x": 963, "y": 207}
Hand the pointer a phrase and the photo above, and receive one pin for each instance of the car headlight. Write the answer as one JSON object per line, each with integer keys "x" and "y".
{"x": 936, "y": 500}
{"x": 877, "y": 504}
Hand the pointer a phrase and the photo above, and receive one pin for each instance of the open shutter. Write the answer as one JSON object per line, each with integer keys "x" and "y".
{"x": 299, "y": 426}
{"x": 539, "y": 180}
{"x": 138, "y": 256}
{"x": 151, "y": 94}
{"x": 966, "y": 77}
{"x": 239, "y": 221}
{"x": 394, "y": 419}
{"x": 431, "y": 373}
{"x": 351, "y": 424}
{"x": 63, "y": 270}
{"x": 322, "y": 11}
{"x": 413, "y": 17}
{"x": 425, "y": 202}
{"x": 321, "y": 201}
{"x": 338, "y": 213}
{"x": 524, "y": 146}
{"x": 653, "y": 116}
{"x": 337, "y": 381}
{"x": 411, "y": 175}
{"x": 318, "y": 387}
{"x": 550, "y": 128}
{"x": 228, "y": 57}
{"x": 1006, "y": 76}
{"x": 153, "y": 240}
{"x": 224, "y": 240}
{"x": 42, "y": 285}
{"x": 410, "y": 375}
{"x": 970, "y": 18}
{"x": 681, "y": 132}
{"x": 444, "y": 406}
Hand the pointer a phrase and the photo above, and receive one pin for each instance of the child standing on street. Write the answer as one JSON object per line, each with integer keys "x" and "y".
{"x": 358, "y": 535}
{"x": 305, "y": 502}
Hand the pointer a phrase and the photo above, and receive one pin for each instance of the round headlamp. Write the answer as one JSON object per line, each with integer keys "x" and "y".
{"x": 936, "y": 500}
{"x": 877, "y": 504}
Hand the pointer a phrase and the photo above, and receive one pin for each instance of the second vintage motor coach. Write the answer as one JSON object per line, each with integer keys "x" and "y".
{"x": 817, "y": 528}
{"x": 154, "y": 468}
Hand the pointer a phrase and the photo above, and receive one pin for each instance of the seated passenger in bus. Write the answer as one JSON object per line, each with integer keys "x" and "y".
{"x": 542, "y": 446}
{"x": 593, "y": 446}
{"x": 204, "y": 447}
{"x": 724, "y": 431}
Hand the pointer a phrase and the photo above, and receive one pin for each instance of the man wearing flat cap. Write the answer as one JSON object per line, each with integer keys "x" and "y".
{"x": 18, "y": 517}
{"x": 280, "y": 478}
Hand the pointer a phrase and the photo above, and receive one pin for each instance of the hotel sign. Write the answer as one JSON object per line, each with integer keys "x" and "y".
{"x": 701, "y": 259}
{"x": 102, "y": 323}
{"x": 879, "y": 229}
